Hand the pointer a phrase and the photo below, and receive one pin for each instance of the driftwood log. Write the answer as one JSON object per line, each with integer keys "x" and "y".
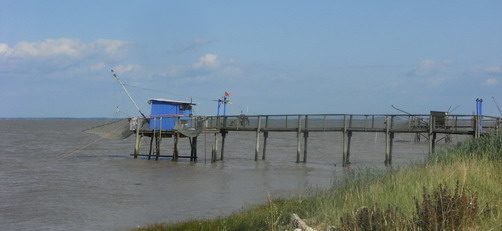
{"x": 299, "y": 223}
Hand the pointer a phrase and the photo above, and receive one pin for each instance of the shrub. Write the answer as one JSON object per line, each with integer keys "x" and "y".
{"x": 441, "y": 210}
{"x": 446, "y": 210}
{"x": 374, "y": 219}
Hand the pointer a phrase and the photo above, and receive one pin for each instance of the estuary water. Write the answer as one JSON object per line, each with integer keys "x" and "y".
{"x": 53, "y": 176}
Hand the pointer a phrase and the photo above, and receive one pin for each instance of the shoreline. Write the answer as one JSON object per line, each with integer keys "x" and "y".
{"x": 473, "y": 165}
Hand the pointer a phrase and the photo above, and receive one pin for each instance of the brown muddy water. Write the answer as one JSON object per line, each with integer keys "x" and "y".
{"x": 55, "y": 177}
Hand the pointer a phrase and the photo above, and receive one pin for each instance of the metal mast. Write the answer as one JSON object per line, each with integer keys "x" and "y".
{"x": 497, "y": 105}
{"x": 127, "y": 92}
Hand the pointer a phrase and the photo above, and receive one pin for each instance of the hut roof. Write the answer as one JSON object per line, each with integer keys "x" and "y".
{"x": 170, "y": 101}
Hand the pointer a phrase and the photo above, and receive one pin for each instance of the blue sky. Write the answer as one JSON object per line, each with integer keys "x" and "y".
{"x": 274, "y": 57}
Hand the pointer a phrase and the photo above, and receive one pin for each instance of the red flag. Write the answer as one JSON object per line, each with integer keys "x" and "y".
{"x": 227, "y": 94}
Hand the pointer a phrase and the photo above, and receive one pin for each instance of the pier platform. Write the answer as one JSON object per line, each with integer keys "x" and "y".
{"x": 425, "y": 126}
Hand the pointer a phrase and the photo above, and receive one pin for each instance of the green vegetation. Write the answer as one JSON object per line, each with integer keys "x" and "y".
{"x": 458, "y": 189}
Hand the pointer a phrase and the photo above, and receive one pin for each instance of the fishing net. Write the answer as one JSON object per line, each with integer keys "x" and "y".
{"x": 191, "y": 127}
{"x": 115, "y": 130}
{"x": 121, "y": 129}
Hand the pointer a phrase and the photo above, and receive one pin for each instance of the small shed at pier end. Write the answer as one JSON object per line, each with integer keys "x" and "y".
{"x": 165, "y": 113}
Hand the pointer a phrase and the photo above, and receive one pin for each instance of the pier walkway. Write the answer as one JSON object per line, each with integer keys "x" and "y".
{"x": 423, "y": 125}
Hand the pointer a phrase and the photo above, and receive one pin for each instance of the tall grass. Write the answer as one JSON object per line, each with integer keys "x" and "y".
{"x": 487, "y": 147}
{"x": 401, "y": 197}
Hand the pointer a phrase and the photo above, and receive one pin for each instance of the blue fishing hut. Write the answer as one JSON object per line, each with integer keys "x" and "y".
{"x": 166, "y": 113}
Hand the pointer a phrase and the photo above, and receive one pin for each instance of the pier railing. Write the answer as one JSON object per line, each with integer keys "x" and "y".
{"x": 461, "y": 124}
{"x": 418, "y": 123}
{"x": 424, "y": 125}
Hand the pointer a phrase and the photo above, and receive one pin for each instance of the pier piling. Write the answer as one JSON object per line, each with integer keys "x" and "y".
{"x": 431, "y": 135}
{"x": 349, "y": 141}
{"x": 344, "y": 142}
{"x": 388, "y": 147}
{"x": 298, "y": 139}
{"x": 151, "y": 146}
{"x": 257, "y": 146}
{"x": 157, "y": 146}
{"x": 137, "y": 145}
{"x": 223, "y": 135}
{"x": 193, "y": 148}
{"x": 264, "y": 151}
{"x": 214, "y": 151}
{"x": 305, "y": 137}
{"x": 427, "y": 126}
{"x": 176, "y": 150}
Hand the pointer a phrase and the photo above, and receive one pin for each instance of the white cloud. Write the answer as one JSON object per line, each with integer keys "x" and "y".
{"x": 111, "y": 47}
{"x": 431, "y": 67}
{"x": 209, "y": 61}
{"x": 62, "y": 47}
{"x": 4, "y": 48}
{"x": 491, "y": 81}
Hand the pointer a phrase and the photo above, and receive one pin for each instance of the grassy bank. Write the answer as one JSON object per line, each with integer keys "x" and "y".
{"x": 463, "y": 184}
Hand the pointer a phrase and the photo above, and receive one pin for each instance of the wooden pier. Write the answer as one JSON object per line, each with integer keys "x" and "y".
{"x": 426, "y": 126}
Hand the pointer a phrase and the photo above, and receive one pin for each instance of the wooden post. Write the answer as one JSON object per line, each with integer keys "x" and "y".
{"x": 151, "y": 146}
{"x": 298, "y": 139}
{"x": 257, "y": 146}
{"x": 157, "y": 146}
{"x": 152, "y": 139}
{"x": 391, "y": 145}
{"x": 388, "y": 139}
{"x": 344, "y": 138}
{"x": 138, "y": 140}
{"x": 213, "y": 151}
{"x": 387, "y": 152}
{"x": 195, "y": 155}
{"x": 223, "y": 135}
{"x": 176, "y": 150}
{"x": 305, "y": 137}
{"x": 265, "y": 137}
{"x": 434, "y": 142}
{"x": 190, "y": 141}
{"x": 349, "y": 138}
{"x": 215, "y": 148}
{"x": 193, "y": 147}
{"x": 347, "y": 156}
{"x": 431, "y": 131}
{"x": 158, "y": 140}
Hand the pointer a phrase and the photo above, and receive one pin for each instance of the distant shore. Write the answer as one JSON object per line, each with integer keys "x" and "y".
{"x": 456, "y": 189}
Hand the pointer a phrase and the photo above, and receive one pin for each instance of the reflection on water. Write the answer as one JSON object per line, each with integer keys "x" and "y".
{"x": 54, "y": 177}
